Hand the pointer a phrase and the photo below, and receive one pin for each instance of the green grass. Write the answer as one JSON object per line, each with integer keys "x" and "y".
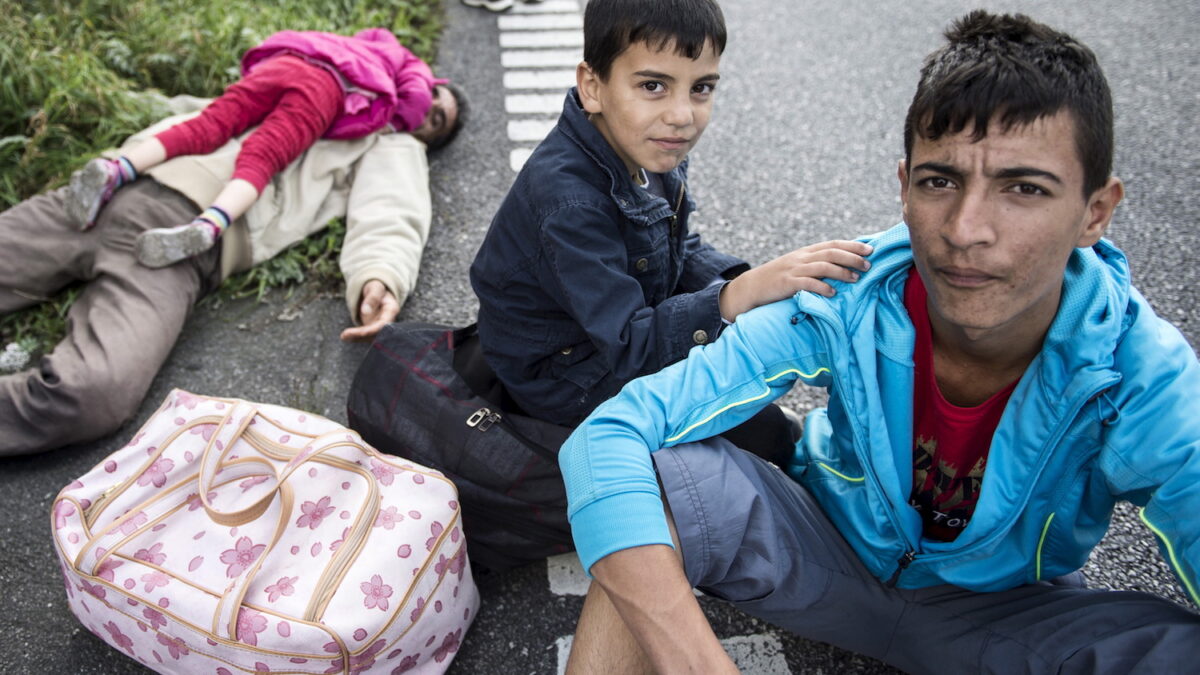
{"x": 73, "y": 81}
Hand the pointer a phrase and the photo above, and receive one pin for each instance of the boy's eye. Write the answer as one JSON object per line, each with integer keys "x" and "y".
{"x": 1028, "y": 189}
{"x": 654, "y": 86}
{"x": 937, "y": 182}
{"x": 704, "y": 88}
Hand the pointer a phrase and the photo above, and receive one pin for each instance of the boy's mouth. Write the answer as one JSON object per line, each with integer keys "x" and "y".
{"x": 670, "y": 143}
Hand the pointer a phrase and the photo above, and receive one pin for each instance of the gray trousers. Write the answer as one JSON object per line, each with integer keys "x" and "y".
{"x": 120, "y": 328}
{"x": 753, "y": 536}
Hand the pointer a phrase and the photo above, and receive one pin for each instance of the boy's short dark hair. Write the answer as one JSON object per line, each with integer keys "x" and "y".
{"x": 610, "y": 26}
{"x": 1021, "y": 70}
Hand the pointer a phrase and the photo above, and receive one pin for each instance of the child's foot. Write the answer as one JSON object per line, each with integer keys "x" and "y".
{"x": 493, "y": 5}
{"x": 90, "y": 188}
{"x": 168, "y": 245}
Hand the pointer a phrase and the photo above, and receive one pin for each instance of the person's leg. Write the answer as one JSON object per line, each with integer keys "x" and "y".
{"x": 753, "y": 536}
{"x": 40, "y": 251}
{"x": 307, "y": 99}
{"x": 119, "y": 330}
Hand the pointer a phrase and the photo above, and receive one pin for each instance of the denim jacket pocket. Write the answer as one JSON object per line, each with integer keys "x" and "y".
{"x": 579, "y": 364}
{"x": 650, "y": 266}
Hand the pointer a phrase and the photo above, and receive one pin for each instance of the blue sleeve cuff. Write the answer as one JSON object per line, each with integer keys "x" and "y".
{"x": 618, "y": 522}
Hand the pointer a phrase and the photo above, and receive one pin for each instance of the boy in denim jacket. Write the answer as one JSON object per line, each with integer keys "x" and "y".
{"x": 589, "y": 275}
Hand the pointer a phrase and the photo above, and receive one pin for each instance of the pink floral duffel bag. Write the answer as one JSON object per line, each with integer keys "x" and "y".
{"x": 233, "y": 537}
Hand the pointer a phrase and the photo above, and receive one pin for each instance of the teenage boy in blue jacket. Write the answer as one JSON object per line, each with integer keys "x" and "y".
{"x": 589, "y": 276}
{"x": 995, "y": 386}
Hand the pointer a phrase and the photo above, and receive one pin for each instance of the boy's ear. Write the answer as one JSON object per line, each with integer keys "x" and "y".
{"x": 1099, "y": 212}
{"x": 589, "y": 84}
{"x": 902, "y": 174}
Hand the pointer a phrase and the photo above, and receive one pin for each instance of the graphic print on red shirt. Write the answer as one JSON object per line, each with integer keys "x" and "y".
{"x": 950, "y": 443}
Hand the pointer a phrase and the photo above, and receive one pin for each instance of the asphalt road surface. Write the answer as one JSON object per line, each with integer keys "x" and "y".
{"x": 803, "y": 147}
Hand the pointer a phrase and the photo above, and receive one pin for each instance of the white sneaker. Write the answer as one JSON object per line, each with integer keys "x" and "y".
{"x": 168, "y": 245}
{"x": 492, "y": 5}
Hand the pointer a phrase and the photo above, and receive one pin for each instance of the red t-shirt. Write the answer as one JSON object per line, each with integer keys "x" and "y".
{"x": 950, "y": 444}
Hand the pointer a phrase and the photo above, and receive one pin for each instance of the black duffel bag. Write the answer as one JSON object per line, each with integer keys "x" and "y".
{"x": 424, "y": 392}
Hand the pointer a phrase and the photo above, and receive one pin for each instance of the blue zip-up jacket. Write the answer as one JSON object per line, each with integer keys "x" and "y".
{"x": 586, "y": 281}
{"x": 1105, "y": 412}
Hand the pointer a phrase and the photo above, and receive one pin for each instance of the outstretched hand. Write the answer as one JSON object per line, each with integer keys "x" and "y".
{"x": 801, "y": 270}
{"x": 377, "y": 309}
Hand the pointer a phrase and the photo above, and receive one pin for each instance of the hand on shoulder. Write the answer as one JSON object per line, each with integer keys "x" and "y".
{"x": 803, "y": 269}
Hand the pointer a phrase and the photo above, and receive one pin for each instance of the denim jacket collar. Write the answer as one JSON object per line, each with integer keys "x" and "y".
{"x": 635, "y": 203}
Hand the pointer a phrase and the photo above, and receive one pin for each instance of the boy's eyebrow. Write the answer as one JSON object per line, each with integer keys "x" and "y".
{"x": 1011, "y": 172}
{"x": 655, "y": 75}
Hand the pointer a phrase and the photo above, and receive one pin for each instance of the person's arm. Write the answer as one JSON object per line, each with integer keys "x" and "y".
{"x": 803, "y": 269}
{"x": 388, "y": 213}
{"x": 649, "y": 591}
{"x": 704, "y": 265}
{"x": 1151, "y": 454}
{"x": 612, "y": 491}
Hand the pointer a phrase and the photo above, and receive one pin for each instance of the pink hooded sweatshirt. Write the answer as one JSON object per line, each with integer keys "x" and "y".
{"x": 383, "y": 82}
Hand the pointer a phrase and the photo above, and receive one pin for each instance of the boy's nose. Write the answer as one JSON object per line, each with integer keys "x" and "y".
{"x": 971, "y": 221}
{"x": 679, "y": 113}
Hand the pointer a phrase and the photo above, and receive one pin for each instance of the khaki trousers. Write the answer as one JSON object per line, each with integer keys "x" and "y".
{"x": 121, "y": 327}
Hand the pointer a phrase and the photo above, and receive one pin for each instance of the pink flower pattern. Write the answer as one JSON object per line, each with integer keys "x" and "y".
{"x": 385, "y": 473}
{"x": 131, "y": 524}
{"x": 366, "y": 659}
{"x": 152, "y": 555}
{"x": 205, "y": 430}
{"x": 157, "y": 473}
{"x": 243, "y": 555}
{"x": 106, "y": 569}
{"x": 449, "y": 646}
{"x": 280, "y": 588}
{"x": 387, "y": 518}
{"x": 174, "y": 646}
{"x": 314, "y": 513}
{"x": 251, "y": 482}
{"x": 155, "y": 617}
{"x": 406, "y": 664}
{"x": 62, "y": 510}
{"x": 249, "y": 624}
{"x": 436, "y": 530}
{"x": 119, "y": 639}
{"x": 155, "y": 580}
{"x": 376, "y": 593}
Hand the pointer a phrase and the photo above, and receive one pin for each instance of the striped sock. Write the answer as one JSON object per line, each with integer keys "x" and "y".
{"x": 216, "y": 218}
{"x": 125, "y": 172}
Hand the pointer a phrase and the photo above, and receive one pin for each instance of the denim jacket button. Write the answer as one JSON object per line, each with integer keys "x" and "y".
{"x": 642, "y": 264}
{"x": 565, "y": 351}
{"x": 700, "y": 337}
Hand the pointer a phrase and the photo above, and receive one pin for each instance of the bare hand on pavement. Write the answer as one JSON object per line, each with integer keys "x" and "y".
{"x": 377, "y": 309}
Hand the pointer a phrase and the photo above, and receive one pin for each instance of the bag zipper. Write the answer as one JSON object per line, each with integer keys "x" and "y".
{"x": 484, "y": 419}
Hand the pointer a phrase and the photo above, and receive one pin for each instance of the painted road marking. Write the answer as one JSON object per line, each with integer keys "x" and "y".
{"x": 517, "y": 158}
{"x": 545, "y": 7}
{"x": 541, "y": 58}
{"x": 752, "y": 654}
{"x": 549, "y": 38}
{"x": 549, "y": 104}
{"x": 560, "y": 80}
{"x": 541, "y": 22}
{"x": 529, "y": 130}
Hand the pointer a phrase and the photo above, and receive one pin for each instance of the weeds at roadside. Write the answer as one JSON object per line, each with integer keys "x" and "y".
{"x": 74, "y": 78}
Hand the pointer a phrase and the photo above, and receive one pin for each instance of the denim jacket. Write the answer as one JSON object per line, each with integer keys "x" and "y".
{"x": 586, "y": 281}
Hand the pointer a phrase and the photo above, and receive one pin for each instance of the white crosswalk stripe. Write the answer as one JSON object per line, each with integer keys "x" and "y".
{"x": 541, "y": 22}
{"x": 550, "y": 104}
{"x": 541, "y": 58}
{"x": 548, "y": 38}
{"x": 541, "y": 43}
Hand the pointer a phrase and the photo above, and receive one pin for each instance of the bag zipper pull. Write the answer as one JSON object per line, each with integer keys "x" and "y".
{"x": 901, "y": 564}
{"x": 483, "y": 419}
